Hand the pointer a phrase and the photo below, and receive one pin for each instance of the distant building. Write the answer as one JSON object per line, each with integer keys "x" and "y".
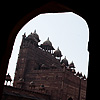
{"x": 40, "y": 70}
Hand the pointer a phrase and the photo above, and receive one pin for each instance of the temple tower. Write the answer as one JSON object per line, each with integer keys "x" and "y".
{"x": 47, "y": 46}
{"x": 33, "y": 57}
{"x": 29, "y": 42}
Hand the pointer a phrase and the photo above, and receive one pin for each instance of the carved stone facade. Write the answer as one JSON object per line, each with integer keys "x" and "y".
{"x": 39, "y": 70}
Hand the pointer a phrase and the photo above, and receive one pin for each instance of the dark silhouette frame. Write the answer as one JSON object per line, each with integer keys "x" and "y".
{"x": 16, "y": 15}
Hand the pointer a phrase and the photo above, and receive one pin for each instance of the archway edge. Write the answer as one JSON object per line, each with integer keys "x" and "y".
{"x": 51, "y": 7}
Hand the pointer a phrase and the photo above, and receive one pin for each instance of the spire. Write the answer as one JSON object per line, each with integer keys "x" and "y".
{"x": 65, "y": 58}
{"x": 48, "y": 39}
{"x": 24, "y": 36}
{"x": 24, "y": 33}
{"x": 35, "y": 31}
{"x": 58, "y": 48}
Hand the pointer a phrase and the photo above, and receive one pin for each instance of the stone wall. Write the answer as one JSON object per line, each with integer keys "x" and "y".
{"x": 57, "y": 82}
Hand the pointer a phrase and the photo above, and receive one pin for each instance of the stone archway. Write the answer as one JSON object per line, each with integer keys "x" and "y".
{"x": 51, "y": 7}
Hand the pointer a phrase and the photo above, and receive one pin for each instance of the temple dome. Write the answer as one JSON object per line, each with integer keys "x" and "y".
{"x": 34, "y": 36}
{"x": 71, "y": 65}
{"x": 47, "y": 42}
{"x": 65, "y": 61}
{"x": 47, "y": 45}
{"x": 57, "y": 53}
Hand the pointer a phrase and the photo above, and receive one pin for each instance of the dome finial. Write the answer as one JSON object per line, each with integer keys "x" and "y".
{"x": 48, "y": 39}
{"x": 58, "y": 48}
{"x": 35, "y": 31}
{"x": 65, "y": 57}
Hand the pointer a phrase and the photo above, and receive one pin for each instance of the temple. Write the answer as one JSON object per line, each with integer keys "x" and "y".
{"x": 41, "y": 70}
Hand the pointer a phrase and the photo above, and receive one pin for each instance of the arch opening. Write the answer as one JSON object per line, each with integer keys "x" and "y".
{"x": 21, "y": 23}
{"x": 54, "y": 25}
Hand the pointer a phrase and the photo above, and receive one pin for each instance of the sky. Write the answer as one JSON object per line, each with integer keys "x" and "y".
{"x": 67, "y": 31}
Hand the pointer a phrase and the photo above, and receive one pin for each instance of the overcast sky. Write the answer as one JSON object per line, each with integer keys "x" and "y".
{"x": 67, "y": 30}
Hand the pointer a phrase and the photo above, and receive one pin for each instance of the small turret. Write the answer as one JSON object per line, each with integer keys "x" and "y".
{"x": 8, "y": 79}
{"x": 79, "y": 75}
{"x": 47, "y": 45}
{"x": 84, "y": 77}
{"x": 32, "y": 39}
{"x": 71, "y": 65}
{"x": 34, "y": 36}
{"x": 47, "y": 42}
{"x": 65, "y": 61}
{"x": 24, "y": 36}
{"x": 57, "y": 53}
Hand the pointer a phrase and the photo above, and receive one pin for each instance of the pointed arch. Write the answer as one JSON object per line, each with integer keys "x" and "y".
{"x": 51, "y": 7}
